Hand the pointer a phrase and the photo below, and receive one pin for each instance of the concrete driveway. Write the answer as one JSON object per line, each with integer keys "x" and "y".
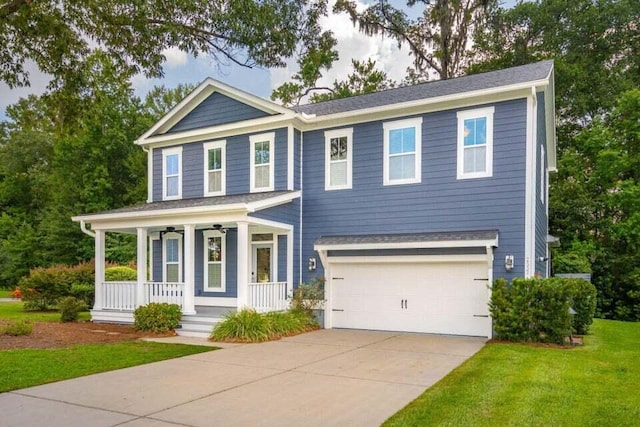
{"x": 327, "y": 377}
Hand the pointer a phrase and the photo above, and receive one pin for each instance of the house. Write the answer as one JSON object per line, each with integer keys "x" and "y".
{"x": 409, "y": 201}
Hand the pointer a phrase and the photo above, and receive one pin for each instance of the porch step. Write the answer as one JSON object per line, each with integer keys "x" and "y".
{"x": 197, "y": 326}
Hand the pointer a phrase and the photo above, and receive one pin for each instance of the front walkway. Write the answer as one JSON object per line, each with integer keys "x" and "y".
{"x": 326, "y": 377}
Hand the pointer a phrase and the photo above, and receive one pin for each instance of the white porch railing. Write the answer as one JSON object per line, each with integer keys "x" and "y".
{"x": 270, "y": 296}
{"x": 122, "y": 295}
{"x": 171, "y": 293}
{"x": 119, "y": 295}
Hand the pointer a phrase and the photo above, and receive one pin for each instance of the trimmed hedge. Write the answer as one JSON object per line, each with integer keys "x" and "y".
{"x": 537, "y": 310}
{"x": 157, "y": 317}
{"x": 120, "y": 274}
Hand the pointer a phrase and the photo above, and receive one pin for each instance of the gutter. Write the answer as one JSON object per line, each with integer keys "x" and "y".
{"x": 85, "y": 230}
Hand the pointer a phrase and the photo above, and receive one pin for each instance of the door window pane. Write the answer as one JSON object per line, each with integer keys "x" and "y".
{"x": 263, "y": 264}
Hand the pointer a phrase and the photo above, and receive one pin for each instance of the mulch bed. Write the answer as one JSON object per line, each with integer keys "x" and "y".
{"x": 56, "y": 335}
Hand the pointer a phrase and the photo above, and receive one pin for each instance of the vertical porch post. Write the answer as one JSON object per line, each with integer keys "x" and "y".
{"x": 189, "y": 298}
{"x": 99, "y": 269}
{"x": 289, "y": 261}
{"x": 243, "y": 264}
{"x": 141, "y": 262}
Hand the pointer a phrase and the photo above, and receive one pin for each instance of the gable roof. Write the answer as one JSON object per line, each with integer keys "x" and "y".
{"x": 438, "y": 88}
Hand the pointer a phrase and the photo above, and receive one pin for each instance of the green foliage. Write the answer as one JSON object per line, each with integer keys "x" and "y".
{"x": 44, "y": 287}
{"x": 308, "y": 296}
{"x": 84, "y": 292}
{"x": 120, "y": 274}
{"x": 157, "y": 317}
{"x": 70, "y": 308}
{"x": 575, "y": 259}
{"x": 531, "y": 310}
{"x": 249, "y": 326}
{"x": 17, "y": 328}
{"x": 16, "y": 311}
{"x": 583, "y": 301}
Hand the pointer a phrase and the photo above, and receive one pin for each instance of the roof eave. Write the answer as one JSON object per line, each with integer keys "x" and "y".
{"x": 409, "y": 245}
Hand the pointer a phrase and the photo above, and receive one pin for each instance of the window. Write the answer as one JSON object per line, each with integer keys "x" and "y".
{"x": 172, "y": 257}
{"x": 214, "y": 168}
{"x": 402, "y": 152}
{"x": 262, "y": 162}
{"x": 543, "y": 176}
{"x": 214, "y": 259}
{"x": 338, "y": 155}
{"x": 475, "y": 143}
{"x": 171, "y": 173}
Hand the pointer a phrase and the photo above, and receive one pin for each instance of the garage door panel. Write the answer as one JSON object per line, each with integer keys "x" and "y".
{"x": 441, "y": 298}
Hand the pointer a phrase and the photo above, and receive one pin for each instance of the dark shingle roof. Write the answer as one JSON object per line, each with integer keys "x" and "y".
{"x": 474, "y": 82}
{"x": 440, "y": 236}
{"x": 198, "y": 202}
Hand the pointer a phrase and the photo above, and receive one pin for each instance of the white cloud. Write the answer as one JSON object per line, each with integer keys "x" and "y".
{"x": 175, "y": 57}
{"x": 352, "y": 44}
{"x": 38, "y": 80}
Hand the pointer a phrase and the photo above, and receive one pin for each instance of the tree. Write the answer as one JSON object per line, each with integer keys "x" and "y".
{"x": 58, "y": 35}
{"x": 365, "y": 78}
{"x": 438, "y": 40}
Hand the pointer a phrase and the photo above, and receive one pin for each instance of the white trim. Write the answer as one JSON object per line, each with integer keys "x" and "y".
{"x": 253, "y": 140}
{"x": 300, "y": 211}
{"x": 166, "y": 237}
{"x": 477, "y": 113}
{"x": 216, "y": 301}
{"x": 268, "y": 223}
{"x": 243, "y": 264}
{"x": 188, "y": 302}
{"x": 290, "y": 148}
{"x": 222, "y": 146}
{"x": 328, "y": 136}
{"x": 530, "y": 189}
{"x": 543, "y": 173}
{"x": 100, "y": 237}
{"x": 166, "y": 153}
{"x": 223, "y": 250}
{"x": 141, "y": 263}
{"x": 289, "y": 260}
{"x": 416, "y": 123}
{"x": 490, "y": 259}
{"x": 272, "y": 201}
{"x": 409, "y": 245}
{"x": 150, "y": 183}
{"x": 408, "y": 259}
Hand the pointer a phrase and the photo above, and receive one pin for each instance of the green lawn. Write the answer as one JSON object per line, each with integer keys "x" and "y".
{"x": 14, "y": 311}
{"x": 513, "y": 385}
{"x": 30, "y": 367}
{"x": 5, "y": 293}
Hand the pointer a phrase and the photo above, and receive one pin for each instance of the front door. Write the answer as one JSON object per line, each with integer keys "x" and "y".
{"x": 262, "y": 265}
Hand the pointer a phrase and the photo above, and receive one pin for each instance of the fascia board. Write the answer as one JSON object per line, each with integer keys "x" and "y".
{"x": 236, "y": 207}
{"x": 410, "y": 245}
{"x": 273, "y": 201}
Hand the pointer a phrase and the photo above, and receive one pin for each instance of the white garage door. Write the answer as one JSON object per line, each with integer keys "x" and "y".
{"x": 442, "y": 298}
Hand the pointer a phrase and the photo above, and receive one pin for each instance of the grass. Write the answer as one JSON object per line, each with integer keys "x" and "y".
{"x": 31, "y": 367}
{"x": 249, "y": 326}
{"x": 15, "y": 311}
{"x": 512, "y": 384}
{"x": 5, "y": 293}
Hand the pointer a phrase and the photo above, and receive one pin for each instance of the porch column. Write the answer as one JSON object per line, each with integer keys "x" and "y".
{"x": 189, "y": 270}
{"x": 290, "y": 262}
{"x": 141, "y": 262}
{"x": 243, "y": 264}
{"x": 99, "y": 268}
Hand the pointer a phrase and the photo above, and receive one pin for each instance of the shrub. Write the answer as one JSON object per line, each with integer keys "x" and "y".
{"x": 70, "y": 308}
{"x": 531, "y": 310}
{"x": 249, "y": 326}
{"x": 16, "y": 293}
{"x": 157, "y": 317}
{"x": 17, "y": 328}
{"x": 308, "y": 296}
{"x": 42, "y": 288}
{"x": 84, "y": 292}
{"x": 120, "y": 274}
{"x": 583, "y": 301}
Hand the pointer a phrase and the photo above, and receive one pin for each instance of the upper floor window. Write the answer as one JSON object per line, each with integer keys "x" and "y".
{"x": 172, "y": 257}
{"x": 172, "y": 173}
{"x": 262, "y": 162}
{"x": 338, "y": 159}
{"x": 475, "y": 143}
{"x": 214, "y": 168}
{"x": 543, "y": 176}
{"x": 402, "y": 151}
{"x": 214, "y": 259}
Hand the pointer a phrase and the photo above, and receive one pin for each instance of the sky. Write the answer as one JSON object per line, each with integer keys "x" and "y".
{"x": 182, "y": 68}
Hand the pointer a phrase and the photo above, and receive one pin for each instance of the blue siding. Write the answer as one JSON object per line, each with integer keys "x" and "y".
{"x": 193, "y": 170}
{"x": 542, "y": 222}
{"x": 156, "y": 274}
{"x": 439, "y": 203}
{"x": 297, "y": 141}
{"x": 157, "y": 174}
{"x": 282, "y": 259}
{"x": 217, "y": 109}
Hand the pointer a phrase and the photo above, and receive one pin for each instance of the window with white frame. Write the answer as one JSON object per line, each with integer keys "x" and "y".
{"x": 338, "y": 159}
{"x": 262, "y": 173}
{"x": 171, "y": 258}
{"x": 402, "y": 151}
{"x": 214, "y": 259}
{"x": 214, "y": 168}
{"x": 475, "y": 143}
{"x": 543, "y": 176}
{"x": 172, "y": 173}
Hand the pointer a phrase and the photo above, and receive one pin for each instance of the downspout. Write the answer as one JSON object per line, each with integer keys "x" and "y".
{"x": 301, "y": 197}
{"x": 85, "y": 230}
